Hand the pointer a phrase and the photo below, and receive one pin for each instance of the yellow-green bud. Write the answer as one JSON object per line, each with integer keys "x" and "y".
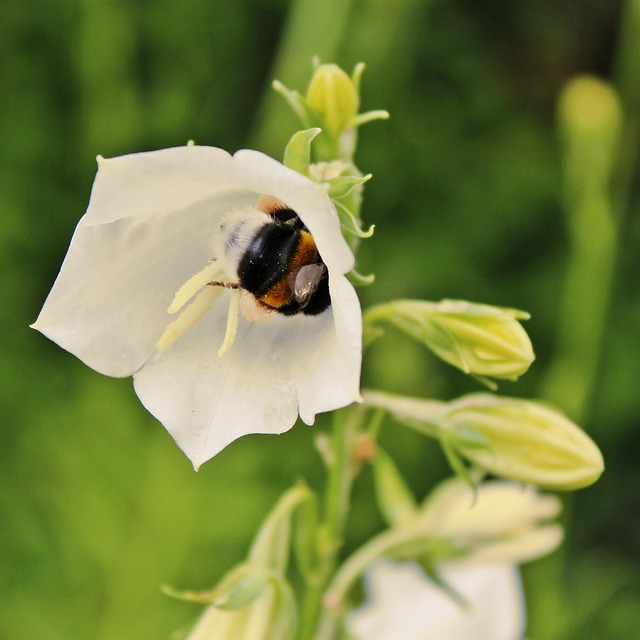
{"x": 590, "y": 107}
{"x": 590, "y": 118}
{"x": 500, "y": 522}
{"x": 333, "y": 96}
{"x": 528, "y": 441}
{"x": 477, "y": 338}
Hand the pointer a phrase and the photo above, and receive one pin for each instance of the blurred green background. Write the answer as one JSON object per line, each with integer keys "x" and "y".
{"x": 98, "y": 506}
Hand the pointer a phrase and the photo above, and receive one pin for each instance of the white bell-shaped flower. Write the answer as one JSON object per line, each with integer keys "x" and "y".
{"x": 403, "y": 604}
{"x": 140, "y": 293}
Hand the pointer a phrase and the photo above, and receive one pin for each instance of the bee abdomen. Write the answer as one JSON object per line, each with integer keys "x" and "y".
{"x": 267, "y": 258}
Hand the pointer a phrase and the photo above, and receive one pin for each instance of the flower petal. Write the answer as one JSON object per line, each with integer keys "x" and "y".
{"x": 403, "y": 603}
{"x": 326, "y": 357}
{"x": 109, "y": 303}
{"x": 155, "y": 183}
{"x": 335, "y": 379}
{"x": 308, "y": 199}
{"x": 149, "y": 228}
{"x": 206, "y": 401}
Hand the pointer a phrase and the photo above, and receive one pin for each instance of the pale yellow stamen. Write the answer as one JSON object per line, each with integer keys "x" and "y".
{"x": 232, "y": 322}
{"x": 189, "y": 289}
{"x": 190, "y": 316}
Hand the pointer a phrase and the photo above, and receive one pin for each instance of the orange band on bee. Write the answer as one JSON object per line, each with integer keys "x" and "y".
{"x": 306, "y": 253}
{"x": 269, "y": 204}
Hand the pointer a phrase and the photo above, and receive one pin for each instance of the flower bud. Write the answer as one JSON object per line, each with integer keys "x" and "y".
{"x": 590, "y": 118}
{"x": 528, "y": 441}
{"x": 478, "y": 339}
{"x": 333, "y": 96}
{"x": 270, "y": 615}
{"x": 500, "y": 522}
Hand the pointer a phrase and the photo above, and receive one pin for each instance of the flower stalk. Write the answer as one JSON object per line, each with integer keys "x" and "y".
{"x": 347, "y": 424}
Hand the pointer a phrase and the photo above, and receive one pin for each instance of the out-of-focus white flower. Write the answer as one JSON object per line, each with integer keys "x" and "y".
{"x": 146, "y": 247}
{"x": 502, "y": 522}
{"x": 403, "y": 604}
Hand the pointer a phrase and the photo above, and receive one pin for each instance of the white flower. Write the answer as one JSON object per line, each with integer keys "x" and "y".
{"x": 403, "y": 604}
{"x": 209, "y": 375}
{"x": 502, "y": 522}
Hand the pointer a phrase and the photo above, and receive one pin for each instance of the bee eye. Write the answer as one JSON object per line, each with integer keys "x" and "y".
{"x": 306, "y": 282}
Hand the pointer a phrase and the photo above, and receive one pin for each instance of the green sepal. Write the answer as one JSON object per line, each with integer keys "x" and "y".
{"x": 241, "y": 587}
{"x": 297, "y": 154}
{"x": 457, "y": 465}
{"x": 187, "y": 595}
{"x": 434, "y": 576}
{"x": 238, "y": 588}
{"x": 427, "y": 550}
{"x": 350, "y": 224}
{"x": 360, "y": 280}
{"x": 370, "y": 116}
{"x": 466, "y": 438}
{"x": 490, "y": 384}
{"x": 342, "y": 186}
{"x": 296, "y": 102}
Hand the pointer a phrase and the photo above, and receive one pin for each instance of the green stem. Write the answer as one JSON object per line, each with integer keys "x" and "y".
{"x": 347, "y": 424}
{"x": 405, "y": 410}
{"x": 354, "y": 566}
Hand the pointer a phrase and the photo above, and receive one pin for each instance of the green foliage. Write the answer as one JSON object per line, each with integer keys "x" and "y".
{"x": 99, "y": 508}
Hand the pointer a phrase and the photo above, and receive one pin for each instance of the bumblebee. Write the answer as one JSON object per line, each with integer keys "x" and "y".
{"x": 270, "y": 254}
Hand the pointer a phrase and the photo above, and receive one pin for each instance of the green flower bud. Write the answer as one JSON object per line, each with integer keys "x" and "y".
{"x": 528, "y": 441}
{"x": 500, "y": 522}
{"x": 333, "y": 96}
{"x": 478, "y": 339}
